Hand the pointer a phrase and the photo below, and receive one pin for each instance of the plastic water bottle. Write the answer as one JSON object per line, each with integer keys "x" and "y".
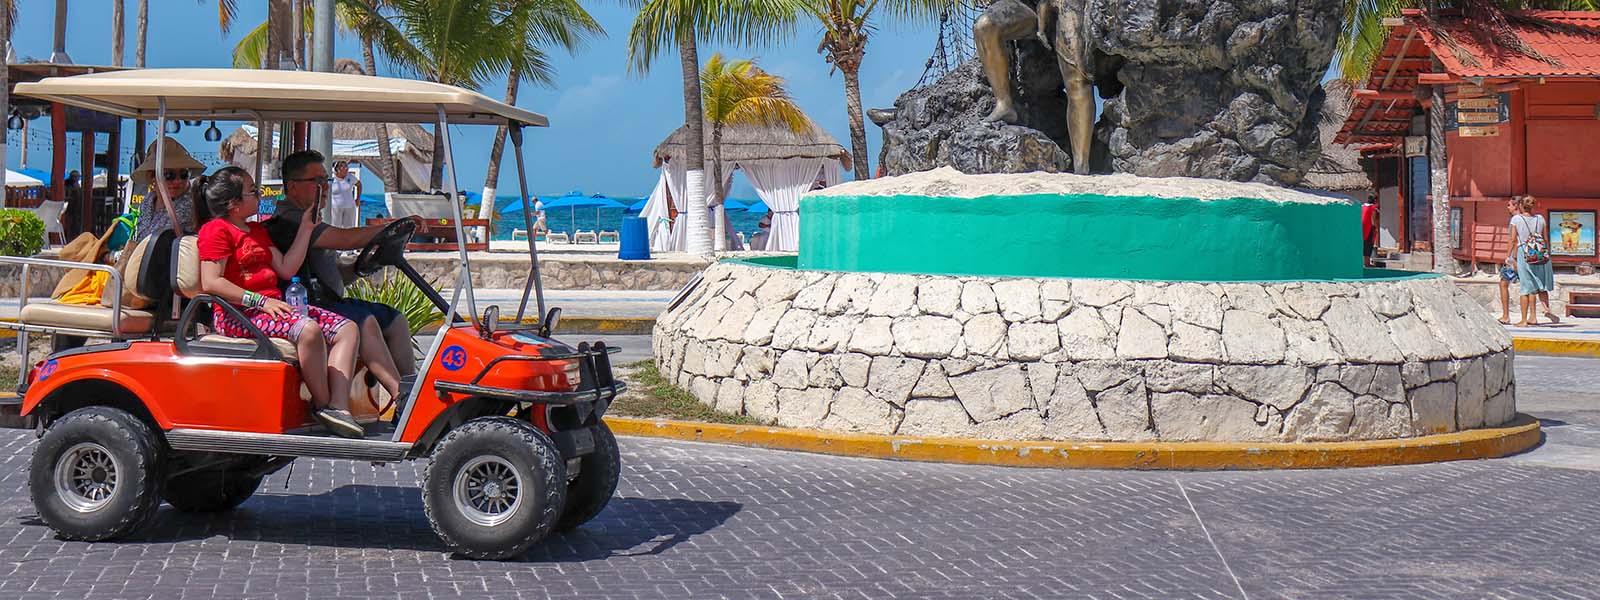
{"x": 296, "y": 296}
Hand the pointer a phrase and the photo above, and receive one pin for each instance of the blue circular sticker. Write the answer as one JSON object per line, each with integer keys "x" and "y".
{"x": 453, "y": 358}
{"x": 47, "y": 369}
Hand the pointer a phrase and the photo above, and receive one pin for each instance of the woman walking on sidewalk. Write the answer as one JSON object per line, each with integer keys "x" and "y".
{"x": 1531, "y": 250}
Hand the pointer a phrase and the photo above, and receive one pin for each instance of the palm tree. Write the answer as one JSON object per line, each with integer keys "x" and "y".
{"x": 739, "y": 93}
{"x": 138, "y": 51}
{"x": 118, "y": 24}
{"x": 1490, "y": 23}
{"x": 555, "y": 22}
{"x": 661, "y": 24}
{"x": 846, "y": 27}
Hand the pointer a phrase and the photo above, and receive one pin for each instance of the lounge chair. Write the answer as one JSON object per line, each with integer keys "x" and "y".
{"x": 519, "y": 234}
{"x": 585, "y": 237}
{"x": 556, "y": 237}
{"x": 609, "y": 237}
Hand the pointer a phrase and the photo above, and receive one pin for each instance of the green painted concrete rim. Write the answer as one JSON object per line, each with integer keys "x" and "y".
{"x": 790, "y": 262}
{"x": 1094, "y": 236}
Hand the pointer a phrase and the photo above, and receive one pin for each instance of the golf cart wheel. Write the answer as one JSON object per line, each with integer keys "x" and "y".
{"x": 96, "y": 474}
{"x": 591, "y": 490}
{"x": 211, "y": 490}
{"x": 494, "y": 488}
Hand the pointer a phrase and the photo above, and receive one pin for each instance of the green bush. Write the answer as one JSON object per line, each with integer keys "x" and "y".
{"x": 21, "y": 232}
{"x": 397, "y": 291}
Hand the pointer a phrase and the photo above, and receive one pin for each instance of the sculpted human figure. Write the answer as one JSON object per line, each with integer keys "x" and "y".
{"x": 1060, "y": 25}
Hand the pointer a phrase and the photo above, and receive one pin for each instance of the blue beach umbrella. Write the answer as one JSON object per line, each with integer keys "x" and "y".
{"x": 576, "y": 200}
{"x": 638, "y": 206}
{"x": 730, "y": 204}
{"x": 759, "y": 208}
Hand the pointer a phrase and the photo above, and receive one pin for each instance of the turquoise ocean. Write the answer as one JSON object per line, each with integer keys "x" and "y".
{"x": 565, "y": 220}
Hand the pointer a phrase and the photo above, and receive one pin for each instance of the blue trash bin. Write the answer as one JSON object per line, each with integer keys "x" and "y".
{"x": 635, "y": 242}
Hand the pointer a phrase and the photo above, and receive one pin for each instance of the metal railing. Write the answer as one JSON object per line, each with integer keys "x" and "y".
{"x": 23, "y": 329}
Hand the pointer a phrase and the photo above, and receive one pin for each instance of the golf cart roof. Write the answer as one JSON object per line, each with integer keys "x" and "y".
{"x": 270, "y": 95}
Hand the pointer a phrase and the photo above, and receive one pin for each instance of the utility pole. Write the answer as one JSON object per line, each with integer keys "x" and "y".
{"x": 322, "y": 62}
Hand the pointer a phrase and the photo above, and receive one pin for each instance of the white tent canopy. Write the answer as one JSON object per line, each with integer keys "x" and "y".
{"x": 18, "y": 180}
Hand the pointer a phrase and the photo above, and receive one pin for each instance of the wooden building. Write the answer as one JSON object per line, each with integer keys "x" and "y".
{"x": 1517, "y": 123}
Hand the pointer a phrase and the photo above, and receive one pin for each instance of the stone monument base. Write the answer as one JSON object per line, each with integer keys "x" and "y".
{"x": 1393, "y": 355}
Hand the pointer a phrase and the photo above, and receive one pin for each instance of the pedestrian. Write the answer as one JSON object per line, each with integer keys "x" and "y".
{"x": 1508, "y": 273}
{"x": 1369, "y": 228}
{"x": 346, "y": 192}
{"x": 1531, "y": 248}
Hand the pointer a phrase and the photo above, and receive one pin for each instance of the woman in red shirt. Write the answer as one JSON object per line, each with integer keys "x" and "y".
{"x": 239, "y": 264}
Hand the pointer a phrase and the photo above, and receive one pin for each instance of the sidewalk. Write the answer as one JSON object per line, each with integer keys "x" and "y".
{"x": 1573, "y": 336}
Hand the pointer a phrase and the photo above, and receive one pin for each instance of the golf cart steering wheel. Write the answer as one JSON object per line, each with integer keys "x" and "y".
{"x": 386, "y": 248}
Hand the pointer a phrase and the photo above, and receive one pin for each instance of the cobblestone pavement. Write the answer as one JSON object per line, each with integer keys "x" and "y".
{"x": 706, "y": 521}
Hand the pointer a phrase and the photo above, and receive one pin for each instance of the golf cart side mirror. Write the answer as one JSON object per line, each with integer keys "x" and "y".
{"x": 490, "y": 322}
{"x": 548, "y": 324}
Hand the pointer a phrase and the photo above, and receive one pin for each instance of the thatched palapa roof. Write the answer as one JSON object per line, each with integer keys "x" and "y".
{"x": 1339, "y": 168}
{"x": 757, "y": 142}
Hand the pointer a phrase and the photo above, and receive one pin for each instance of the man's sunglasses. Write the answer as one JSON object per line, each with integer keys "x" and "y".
{"x": 175, "y": 175}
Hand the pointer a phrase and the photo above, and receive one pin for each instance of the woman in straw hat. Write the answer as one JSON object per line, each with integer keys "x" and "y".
{"x": 160, "y": 210}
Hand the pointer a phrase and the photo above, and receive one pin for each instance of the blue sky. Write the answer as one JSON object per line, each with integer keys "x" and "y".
{"x": 604, "y": 121}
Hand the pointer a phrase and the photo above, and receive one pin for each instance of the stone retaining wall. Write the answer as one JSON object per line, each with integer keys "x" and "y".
{"x": 564, "y": 272}
{"x": 1081, "y": 359}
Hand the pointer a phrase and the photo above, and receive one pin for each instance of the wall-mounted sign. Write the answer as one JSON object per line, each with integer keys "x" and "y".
{"x": 1489, "y": 110}
{"x": 1472, "y": 91}
{"x": 1416, "y": 145}
{"x": 1477, "y": 117}
{"x": 1467, "y": 131}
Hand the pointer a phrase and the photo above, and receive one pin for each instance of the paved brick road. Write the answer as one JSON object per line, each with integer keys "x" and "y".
{"x": 705, "y": 521}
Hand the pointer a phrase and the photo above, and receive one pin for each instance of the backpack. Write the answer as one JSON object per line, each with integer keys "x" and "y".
{"x": 1535, "y": 250}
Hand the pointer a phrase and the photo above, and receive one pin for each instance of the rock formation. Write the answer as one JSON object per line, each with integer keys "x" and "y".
{"x": 1224, "y": 90}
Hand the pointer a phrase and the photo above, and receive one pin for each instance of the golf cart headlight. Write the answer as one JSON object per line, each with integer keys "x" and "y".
{"x": 571, "y": 373}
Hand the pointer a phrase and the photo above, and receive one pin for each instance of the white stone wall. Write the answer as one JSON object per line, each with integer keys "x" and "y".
{"x": 1082, "y": 359}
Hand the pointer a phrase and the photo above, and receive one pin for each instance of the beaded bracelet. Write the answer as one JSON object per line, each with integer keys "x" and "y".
{"x": 253, "y": 299}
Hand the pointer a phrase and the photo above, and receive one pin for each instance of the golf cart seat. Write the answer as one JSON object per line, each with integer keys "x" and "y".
{"x": 285, "y": 347}
{"x": 150, "y": 269}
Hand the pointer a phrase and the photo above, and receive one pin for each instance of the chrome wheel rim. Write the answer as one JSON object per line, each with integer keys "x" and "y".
{"x": 487, "y": 490}
{"x": 86, "y": 477}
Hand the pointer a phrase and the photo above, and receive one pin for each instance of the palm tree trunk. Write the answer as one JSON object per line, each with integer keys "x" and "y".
{"x": 144, "y": 28}
{"x": 5, "y": 85}
{"x": 436, "y": 171}
{"x": 858, "y": 127}
{"x": 491, "y": 179}
{"x": 118, "y": 22}
{"x": 387, "y": 170}
{"x": 1439, "y": 178}
{"x": 719, "y": 238}
{"x": 694, "y": 203}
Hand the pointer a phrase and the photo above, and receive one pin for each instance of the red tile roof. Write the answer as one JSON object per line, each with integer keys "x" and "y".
{"x": 1576, "y": 54}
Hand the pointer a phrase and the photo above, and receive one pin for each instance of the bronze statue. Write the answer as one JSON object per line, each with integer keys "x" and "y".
{"x": 1011, "y": 20}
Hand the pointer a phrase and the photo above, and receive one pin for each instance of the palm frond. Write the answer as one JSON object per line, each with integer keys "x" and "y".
{"x": 251, "y": 49}
{"x": 737, "y": 22}
{"x": 740, "y": 93}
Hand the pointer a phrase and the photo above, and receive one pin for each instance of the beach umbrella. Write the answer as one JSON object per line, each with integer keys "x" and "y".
{"x": 729, "y": 204}
{"x": 758, "y": 208}
{"x": 638, "y": 206}
{"x": 576, "y": 200}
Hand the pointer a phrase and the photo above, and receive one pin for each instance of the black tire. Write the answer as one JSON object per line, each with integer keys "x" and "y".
{"x": 212, "y": 490}
{"x": 589, "y": 493}
{"x": 488, "y": 526}
{"x": 74, "y": 452}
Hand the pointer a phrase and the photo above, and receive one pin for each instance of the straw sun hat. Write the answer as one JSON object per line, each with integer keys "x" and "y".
{"x": 177, "y": 157}
{"x": 83, "y": 249}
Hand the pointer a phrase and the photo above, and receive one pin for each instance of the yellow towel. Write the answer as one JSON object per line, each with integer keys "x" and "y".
{"x": 88, "y": 290}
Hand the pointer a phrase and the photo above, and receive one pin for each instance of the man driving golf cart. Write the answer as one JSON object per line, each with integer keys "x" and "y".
{"x": 385, "y": 335}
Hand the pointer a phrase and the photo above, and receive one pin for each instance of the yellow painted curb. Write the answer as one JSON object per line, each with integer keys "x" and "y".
{"x": 1556, "y": 347}
{"x": 590, "y": 325}
{"x": 1521, "y": 434}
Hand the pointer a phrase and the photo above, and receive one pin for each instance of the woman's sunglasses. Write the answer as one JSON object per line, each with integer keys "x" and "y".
{"x": 175, "y": 175}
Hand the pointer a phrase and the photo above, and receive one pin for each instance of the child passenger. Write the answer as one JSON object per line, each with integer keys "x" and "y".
{"x": 240, "y": 265}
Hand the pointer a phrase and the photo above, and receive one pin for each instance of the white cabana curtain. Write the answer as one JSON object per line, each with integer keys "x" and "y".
{"x": 780, "y": 183}
{"x": 658, "y": 217}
